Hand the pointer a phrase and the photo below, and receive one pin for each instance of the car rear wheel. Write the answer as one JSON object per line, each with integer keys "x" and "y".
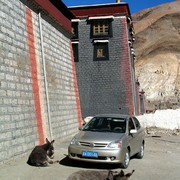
{"x": 141, "y": 152}
{"x": 126, "y": 160}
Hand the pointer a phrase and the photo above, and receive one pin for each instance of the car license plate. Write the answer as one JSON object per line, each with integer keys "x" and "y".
{"x": 89, "y": 154}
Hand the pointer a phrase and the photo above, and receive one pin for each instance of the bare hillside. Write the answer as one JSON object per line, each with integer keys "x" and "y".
{"x": 157, "y": 48}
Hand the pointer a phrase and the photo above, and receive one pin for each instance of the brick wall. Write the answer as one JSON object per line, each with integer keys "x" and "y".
{"x": 105, "y": 86}
{"x": 24, "y": 118}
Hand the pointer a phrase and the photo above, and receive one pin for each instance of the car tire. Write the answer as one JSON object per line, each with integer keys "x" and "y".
{"x": 126, "y": 160}
{"x": 140, "y": 154}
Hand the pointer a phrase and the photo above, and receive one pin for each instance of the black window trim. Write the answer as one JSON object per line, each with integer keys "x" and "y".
{"x": 75, "y": 23}
{"x": 76, "y": 56}
{"x": 103, "y": 18}
{"x": 101, "y": 42}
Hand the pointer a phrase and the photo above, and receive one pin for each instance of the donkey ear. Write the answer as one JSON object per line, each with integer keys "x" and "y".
{"x": 129, "y": 174}
{"x": 121, "y": 173}
{"x": 47, "y": 141}
{"x": 52, "y": 141}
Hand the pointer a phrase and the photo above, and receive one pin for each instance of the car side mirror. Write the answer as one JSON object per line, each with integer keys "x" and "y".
{"x": 133, "y": 131}
{"x": 80, "y": 128}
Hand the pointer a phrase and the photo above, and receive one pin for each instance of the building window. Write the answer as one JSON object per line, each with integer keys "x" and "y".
{"x": 101, "y": 28}
{"x": 75, "y": 52}
{"x": 101, "y": 51}
{"x": 75, "y": 30}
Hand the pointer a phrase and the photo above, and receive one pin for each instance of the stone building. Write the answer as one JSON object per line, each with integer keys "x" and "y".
{"x": 39, "y": 94}
{"x": 104, "y": 57}
{"x": 38, "y": 87}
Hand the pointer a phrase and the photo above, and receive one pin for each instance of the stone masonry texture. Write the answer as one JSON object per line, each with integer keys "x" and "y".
{"x": 18, "y": 125}
{"x": 105, "y": 86}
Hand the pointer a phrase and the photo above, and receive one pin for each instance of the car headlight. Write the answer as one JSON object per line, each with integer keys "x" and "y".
{"x": 74, "y": 141}
{"x": 115, "y": 144}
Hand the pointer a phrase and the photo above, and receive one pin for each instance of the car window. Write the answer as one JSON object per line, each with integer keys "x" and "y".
{"x": 131, "y": 124}
{"x": 136, "y": 123}
{"x": 117, "y": 125}
{"x": 97, "y": 124}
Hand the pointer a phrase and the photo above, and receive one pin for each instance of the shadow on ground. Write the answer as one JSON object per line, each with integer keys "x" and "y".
{"x": 68, "y": 162}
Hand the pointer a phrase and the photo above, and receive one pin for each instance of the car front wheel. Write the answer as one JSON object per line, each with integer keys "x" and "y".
{"x": 126, "y": 160}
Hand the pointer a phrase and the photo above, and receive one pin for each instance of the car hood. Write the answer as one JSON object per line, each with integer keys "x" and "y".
{"x": 90, "y": 136}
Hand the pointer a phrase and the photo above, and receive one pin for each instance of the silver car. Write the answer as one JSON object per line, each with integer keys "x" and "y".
{"x": 108, "y": 138}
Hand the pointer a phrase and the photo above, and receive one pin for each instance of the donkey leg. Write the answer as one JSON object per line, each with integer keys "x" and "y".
{"x": 50, "y": 161}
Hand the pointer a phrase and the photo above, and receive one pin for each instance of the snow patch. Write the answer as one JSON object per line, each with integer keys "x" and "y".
{"x": 167, "y": 119}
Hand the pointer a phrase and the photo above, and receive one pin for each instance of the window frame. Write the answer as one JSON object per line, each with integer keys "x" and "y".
{"x": 101, "y": 26}
{"x": 75, "y": 47}
{"x": 75, "y": 27}
{"x": 103, "y": 46}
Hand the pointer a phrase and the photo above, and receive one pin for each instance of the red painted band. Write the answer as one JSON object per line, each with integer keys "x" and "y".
{"x": 126, "y": 73}
{"x": 111, "y": 9}
{"x": 34, "y": 76}
{"x": 76, "y": 88}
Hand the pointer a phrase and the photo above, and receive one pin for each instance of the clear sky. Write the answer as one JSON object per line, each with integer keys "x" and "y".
{"x": 134, "y": 5}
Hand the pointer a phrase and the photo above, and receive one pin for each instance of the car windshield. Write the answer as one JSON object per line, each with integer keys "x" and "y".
{"x": 106, "y": 124}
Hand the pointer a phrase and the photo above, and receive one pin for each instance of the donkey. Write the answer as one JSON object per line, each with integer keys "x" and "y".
{"x": 119, "y": 176}
{"x": 42, "y": 155}
{"x": 99, "y": 175}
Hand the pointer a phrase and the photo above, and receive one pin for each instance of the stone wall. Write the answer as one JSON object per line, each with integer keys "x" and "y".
{"x": 105, "y": 86}
{"x": 24, "y": 118}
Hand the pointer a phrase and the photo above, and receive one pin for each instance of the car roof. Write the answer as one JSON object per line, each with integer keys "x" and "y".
{"x": 112, "y": 115}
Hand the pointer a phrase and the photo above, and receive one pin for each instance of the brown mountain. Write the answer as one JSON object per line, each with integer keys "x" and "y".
{"x": 157, "y": 47}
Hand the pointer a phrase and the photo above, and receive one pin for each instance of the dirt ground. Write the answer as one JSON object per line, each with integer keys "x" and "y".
{"x": 161, "y": 162}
